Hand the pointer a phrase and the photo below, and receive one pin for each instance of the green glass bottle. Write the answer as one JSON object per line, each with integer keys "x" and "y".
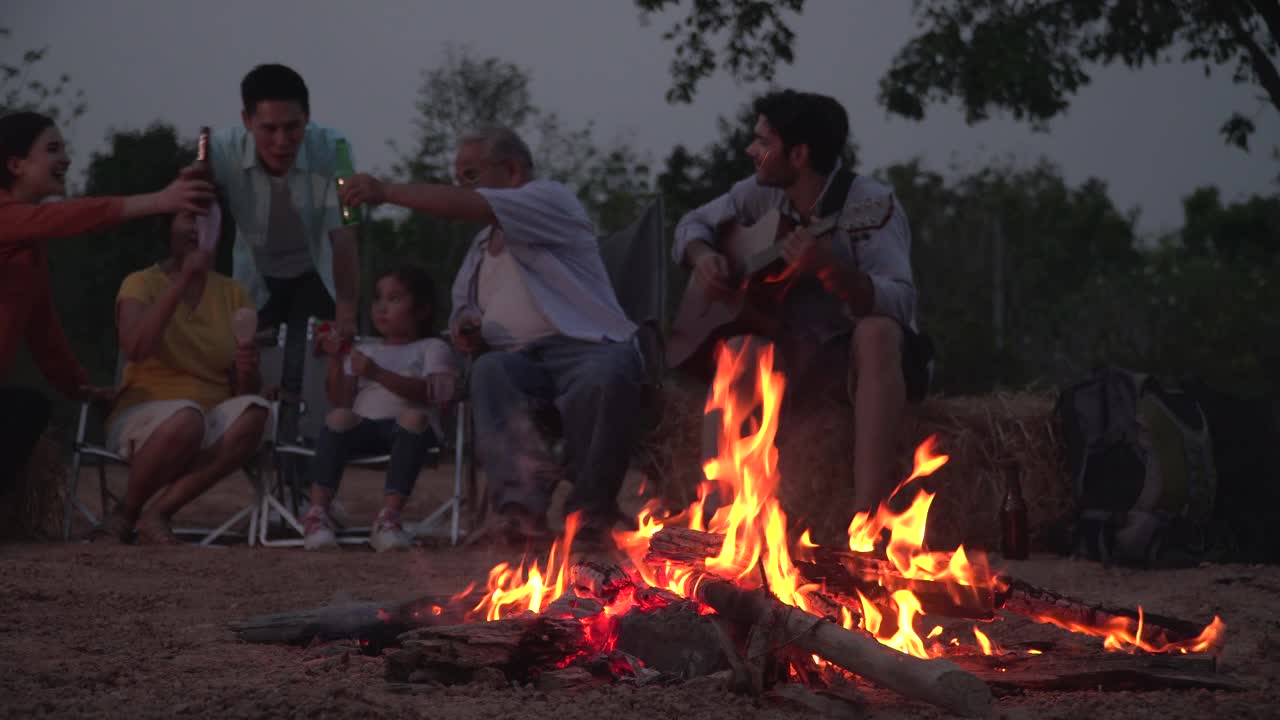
{"x": 342, "y": 171}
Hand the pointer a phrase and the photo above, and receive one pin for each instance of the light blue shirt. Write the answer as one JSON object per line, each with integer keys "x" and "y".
{"x": 556, "y": 250}
{"x": 247, "y": 187}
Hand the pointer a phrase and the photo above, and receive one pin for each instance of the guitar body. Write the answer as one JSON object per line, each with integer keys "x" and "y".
{"x": 705, "y": 317}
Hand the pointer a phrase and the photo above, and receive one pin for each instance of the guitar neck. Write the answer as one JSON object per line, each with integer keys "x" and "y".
{"x": 773, "y": 253}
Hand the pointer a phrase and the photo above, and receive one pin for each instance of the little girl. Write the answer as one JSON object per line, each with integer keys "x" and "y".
{"x": 382, "y": 393}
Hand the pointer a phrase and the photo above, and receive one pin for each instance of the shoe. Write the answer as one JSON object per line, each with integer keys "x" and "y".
{"x": 319, "y": 532}
{"x": 389, "y": 534}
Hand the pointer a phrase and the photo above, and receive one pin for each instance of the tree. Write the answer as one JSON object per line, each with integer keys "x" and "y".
{"x": 754, "y": 33}
{"x": 1024, "y": 56}
{"x": 22, "y": 89}
{"x": 996, "y": 254}
{"x": 1030, "y": 56}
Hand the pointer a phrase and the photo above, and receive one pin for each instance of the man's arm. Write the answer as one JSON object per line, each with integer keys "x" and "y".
{"x": 442, "y": 201}
{"x": 695, "y": 233}
{"x": 882, "y": 282}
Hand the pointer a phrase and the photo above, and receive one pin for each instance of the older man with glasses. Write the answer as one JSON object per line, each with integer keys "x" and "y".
{"x": 533, "y": 304}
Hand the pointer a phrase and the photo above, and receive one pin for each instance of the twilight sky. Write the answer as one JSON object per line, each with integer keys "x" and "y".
{"x": 1151, "y": 134}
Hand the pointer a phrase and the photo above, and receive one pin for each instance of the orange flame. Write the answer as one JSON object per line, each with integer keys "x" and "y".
{"x": 988, "y": 647}
{"x": 1122, "y": 635}
{"x": 511, "y": 591}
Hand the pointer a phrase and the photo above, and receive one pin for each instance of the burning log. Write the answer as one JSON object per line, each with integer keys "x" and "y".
{"x": 841, "y": 575}
{"x": 940, "y": 682}
{"x": 1064, "y": 670}
{"x": 1047, "y": 606}
{"x": 374, "y": 624}
{"x": 521, "y": 647}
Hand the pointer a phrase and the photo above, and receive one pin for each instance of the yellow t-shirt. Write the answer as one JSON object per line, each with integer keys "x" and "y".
{"x": 195, "y": 356}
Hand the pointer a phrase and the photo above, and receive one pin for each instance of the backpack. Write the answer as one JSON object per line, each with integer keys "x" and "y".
{"x": 1143, "y": 476}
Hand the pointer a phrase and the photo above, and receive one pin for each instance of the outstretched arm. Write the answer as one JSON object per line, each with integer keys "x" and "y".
{"x": 442, "y": 201}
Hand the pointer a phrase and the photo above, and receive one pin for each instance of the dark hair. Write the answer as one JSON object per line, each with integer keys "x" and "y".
{"x": 18, "y": 133}
{"x": 809, "y": 119}
{"x": 273, "y": 82}
{"x": 423, "y": 289}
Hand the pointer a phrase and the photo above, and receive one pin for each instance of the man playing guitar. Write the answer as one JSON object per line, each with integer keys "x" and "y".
{"x": 848, "y": 311}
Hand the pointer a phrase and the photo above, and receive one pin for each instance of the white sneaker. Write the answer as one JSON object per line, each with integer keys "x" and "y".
{"x": 388, "y": 534}
{"x": 320, "y": 533}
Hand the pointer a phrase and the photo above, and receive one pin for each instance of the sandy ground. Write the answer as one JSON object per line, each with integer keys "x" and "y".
{"x": 100, "y": 630}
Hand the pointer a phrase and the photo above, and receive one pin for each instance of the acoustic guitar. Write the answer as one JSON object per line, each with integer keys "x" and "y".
{"x": 758, "y": 281}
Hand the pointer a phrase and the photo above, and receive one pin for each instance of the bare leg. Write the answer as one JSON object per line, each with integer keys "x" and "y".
{"x": 167, "y": 453}
{"x": 232, "y": 450}
{"x": 879, "y": 401}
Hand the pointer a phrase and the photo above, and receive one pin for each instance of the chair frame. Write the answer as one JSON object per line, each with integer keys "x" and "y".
{"x": 256, "y": 472}
{"x": 298, "y": 448}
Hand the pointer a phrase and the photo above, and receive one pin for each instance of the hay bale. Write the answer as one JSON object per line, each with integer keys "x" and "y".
{"x": 980, "y": 434}
{"x": 32, "y": 508}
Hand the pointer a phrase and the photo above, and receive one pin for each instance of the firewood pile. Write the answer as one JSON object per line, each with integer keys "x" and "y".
{"x": 726, "y": 586}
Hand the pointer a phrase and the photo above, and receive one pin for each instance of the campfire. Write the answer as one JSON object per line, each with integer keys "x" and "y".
{"x": 726, "y": 582}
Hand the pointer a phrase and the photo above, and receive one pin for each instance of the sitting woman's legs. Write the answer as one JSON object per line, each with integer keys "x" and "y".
{"x": 166, "y": 452}
{"x": 231, "y": 450}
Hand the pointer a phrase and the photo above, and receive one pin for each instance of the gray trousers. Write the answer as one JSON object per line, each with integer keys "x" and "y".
{"x": 596, "y": 388}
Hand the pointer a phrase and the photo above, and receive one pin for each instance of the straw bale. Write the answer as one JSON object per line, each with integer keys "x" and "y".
{"x": 980, "y": 434}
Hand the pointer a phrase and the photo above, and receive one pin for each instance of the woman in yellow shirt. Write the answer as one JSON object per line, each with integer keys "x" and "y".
{"x": 188, "y": 414}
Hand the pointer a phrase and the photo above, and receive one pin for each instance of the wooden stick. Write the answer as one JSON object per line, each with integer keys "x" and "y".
{"x": 1041, "y": 605}
{"x": 940, "y": 682}
{"x": 840, "y": 573}
{"x": 521, "y": 647}
{"x": 1065, "y": 670}
{"x": 372, "y": 622}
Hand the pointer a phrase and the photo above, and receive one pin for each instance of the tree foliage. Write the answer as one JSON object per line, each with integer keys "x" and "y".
{"x": 1029, "y": 57}
{"x": 1026, "y": 57}
{"x": 21, "y": 87}
{"x": 753, "y": 34}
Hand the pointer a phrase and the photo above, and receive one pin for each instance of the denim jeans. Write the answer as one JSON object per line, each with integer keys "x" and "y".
{"x": 370, "y": 438}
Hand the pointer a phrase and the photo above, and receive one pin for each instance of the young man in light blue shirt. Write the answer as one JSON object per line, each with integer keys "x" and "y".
{"x": 276, "y": 177}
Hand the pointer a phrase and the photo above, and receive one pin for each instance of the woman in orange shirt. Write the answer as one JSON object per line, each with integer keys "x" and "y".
{"x": 33, "y": 168}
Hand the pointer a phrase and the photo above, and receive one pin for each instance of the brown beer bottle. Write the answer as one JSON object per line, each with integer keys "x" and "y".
{"x": 202, "y": 146}
{"x": 1014, "y": 543}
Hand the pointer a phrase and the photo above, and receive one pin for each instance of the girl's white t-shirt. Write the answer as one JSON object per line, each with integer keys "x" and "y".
{"x": 417, "y": 359}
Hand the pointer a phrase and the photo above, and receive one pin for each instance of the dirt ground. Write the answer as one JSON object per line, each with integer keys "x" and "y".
{"x": 101, "y": 630}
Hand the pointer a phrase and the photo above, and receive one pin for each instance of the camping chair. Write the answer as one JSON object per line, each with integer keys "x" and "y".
{"x": 636, "y": 261}
{"x": 93, "y": 449}
{"x": 313, "y": 405}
